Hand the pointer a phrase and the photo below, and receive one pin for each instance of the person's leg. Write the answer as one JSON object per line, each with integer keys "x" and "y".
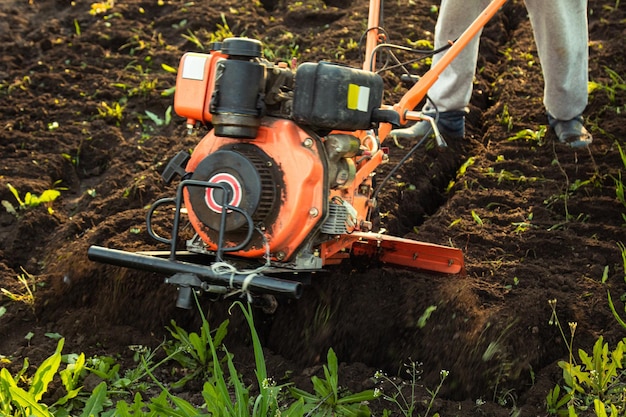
{"x": 453, "y": 89}
{"x": 451, "y": 93}
{"x": 561, "y": 35}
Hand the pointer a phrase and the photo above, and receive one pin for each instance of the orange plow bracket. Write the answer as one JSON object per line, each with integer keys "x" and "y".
{"x": 408, "y": 253}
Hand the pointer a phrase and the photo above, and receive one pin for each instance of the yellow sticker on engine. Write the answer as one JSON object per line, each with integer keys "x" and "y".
{"x": 358, "y": 97}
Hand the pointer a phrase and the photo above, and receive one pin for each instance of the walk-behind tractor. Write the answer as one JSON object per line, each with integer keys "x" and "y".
{"x": 283, "y": 184}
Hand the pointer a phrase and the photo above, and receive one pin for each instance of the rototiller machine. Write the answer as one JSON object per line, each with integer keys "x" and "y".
{"x": 283, "y": 184}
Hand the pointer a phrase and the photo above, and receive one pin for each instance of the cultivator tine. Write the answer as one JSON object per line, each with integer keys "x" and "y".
{"x": 408, "y": 253}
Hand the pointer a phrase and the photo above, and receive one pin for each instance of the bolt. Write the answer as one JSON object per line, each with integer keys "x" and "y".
{"x": 280, "y": 255}
{"x": 313, "y": 212}
{"x": 308, "y": 142}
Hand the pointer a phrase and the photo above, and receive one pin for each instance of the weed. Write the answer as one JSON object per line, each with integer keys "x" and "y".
{"x": 421, "y": 322}
{"x": 136, "y": 188}
{"x": 597, "y": 383}
{"x": 328, "y": 400}
{"x": 192, "y": 350}
{"x": 608, "y": 293}
{"x": 617, "y": 84}
{"x": 27, "y": 296}
{"x": 521, "y": 227}
{"x": 18, "y": 401}
{"x": 191, "y": 37}
{"x": 505, "y": 118}
{"x": 620, "y": 188}
{"x": 101, "y": 7}
{"x": 530, "y": 135}
{"x": 477, "y": 218}
{"x": 31, "y": 200}
{"x": 504, "y": 175}
{"x": 570, "y": 189}
{"x": 166, "y": 120}
{"x": 223, "y": 31}
{"x": 113, "y": 111}
{"x": 21, "y": 84}
{"x": 404, "y": 401}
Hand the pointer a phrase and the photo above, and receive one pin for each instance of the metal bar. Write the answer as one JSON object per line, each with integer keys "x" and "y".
{"x": 258, "y": 284}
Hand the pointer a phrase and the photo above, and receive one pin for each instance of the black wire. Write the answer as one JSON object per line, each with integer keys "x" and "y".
{"x": 424, "y": 53}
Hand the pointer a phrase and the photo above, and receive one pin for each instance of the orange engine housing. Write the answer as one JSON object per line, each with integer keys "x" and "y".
{"x": 278, "y": 178}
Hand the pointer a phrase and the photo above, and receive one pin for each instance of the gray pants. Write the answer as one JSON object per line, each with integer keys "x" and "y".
{"x": 560, "y": 31}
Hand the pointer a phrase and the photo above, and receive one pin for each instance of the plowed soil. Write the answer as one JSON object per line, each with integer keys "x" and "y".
{"x": 537, "y": 221}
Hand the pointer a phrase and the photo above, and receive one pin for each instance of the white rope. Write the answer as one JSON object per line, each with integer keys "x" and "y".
{"x": 224, "y": 268}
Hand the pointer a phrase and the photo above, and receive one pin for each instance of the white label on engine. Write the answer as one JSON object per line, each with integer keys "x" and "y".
{"x": 364, "y": 98}
{"x": 358, "y": 97}
{"x": 193, "y": 67}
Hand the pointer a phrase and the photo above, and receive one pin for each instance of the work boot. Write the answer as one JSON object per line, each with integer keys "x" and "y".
{"x": 451, "y": 125}
{"x": 571, "y": 132}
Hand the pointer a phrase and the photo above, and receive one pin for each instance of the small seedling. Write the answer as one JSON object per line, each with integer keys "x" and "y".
{"x": 505, "y": 118}
{"x": 31, "y": 200}
{"x": 27, "y": 296}
{"x": 530, "y": 135}
{"x": 113, "y": 111}
{"x": 328, "y": 399}
{"x": 405, "y": 396}
{"x": 477, "y": 218}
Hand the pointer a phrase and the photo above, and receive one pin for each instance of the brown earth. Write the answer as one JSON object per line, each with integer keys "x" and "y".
{"x": 549, "y": 224}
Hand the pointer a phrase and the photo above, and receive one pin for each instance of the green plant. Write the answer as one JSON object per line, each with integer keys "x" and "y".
{"x": 328, "y": 399}
{"x": 407, "y": 402}
{"x": 477, "y": 218}
{"x": 617, "y": 84}
{"x": 31, "y": 200}
{"x": 27, "y": 296}
{"x": 505, "y": 118}
{"x": 160, "y": 121}
{"x": 421, "y": 322}
{"x": 598, "y": 382}
{"x": 620, "y": 188}
{"x": 530, "y": 135}
{"x": 504, "y": 175}
{"x": 225, "y": 394}
{"x": 113, "y": 111}
{"x": 217, "y": 391}
{"x": 193, "y": 351}
{"x": 617, "y": 316}
{"x": 101, "y": 7}
{"x": 191, "y": 37}
{"x": 19, "y": 401}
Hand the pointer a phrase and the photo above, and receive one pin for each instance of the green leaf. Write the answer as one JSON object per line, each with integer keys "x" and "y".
{"x": 44, "y": 374}
{"x": 28, "y": 401}
{"x": 169, "y": 68}
{"x": 16, "y": 194}
{"x": 49, "y": 196}
{"x": 94, "y": 404}
{"x": 156, "y": 119}
{"x": 168, "y": 91}
{"x": 367, "y": 395}
{"x": 185, "y": 408}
